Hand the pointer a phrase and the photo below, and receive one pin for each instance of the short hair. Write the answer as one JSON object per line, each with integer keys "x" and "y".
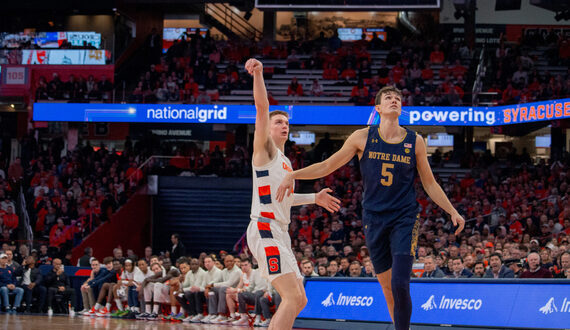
{"x": 175, "y": 235}
{"x": 479, "y": 263}
{"x": 156, "y": 263}
{"x": 356, "y": 262}
{"x": 306, "y": 261}
{"x": 108, "y": 260}
{"x": 457, "y": 258}
{"x": 430, "y": 256}
{"x": 245, "y": 259}
{"x": 496, "y": 255}
{"x": 385, "y": 90}
{"x": 278, "y": 112}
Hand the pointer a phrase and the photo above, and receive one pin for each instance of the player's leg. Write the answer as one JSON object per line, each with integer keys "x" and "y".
{"x": 293, "y": 301}
{"x": 377, "y": 235}
{"x": 403, "y": 245}
{"x": 385, "y": 280}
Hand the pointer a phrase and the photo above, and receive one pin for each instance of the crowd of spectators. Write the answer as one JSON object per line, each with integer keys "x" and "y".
{"x": 427, "y": 74}
{"x": 515, "y": 75}
{"x": 169, "y": 287}
{"x": 77, "y": 89}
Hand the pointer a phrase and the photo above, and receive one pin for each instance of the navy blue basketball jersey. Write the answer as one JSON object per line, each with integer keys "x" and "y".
{"x": 388, "y": 173}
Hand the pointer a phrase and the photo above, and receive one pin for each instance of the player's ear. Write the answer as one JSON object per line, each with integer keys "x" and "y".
{"x": 377, "y": 107}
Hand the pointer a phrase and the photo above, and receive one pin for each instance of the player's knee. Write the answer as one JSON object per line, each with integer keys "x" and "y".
{"x": 400, "y": 283}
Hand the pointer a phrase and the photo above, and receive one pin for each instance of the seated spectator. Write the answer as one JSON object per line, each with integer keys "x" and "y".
{"x": 497, "y": 269}
{"x": 515, "y": 265}
{"x": 57, "y": 282}
{"x": 308, "y": 268}
{"x": 479, "y": 270}
{"x": 458, "y": 69}
{"x": 8, "y": 285}
{"x": 564, "y": 266}
{"x": 355, "y": 269}
{"x": 271, "y": 99}
{"x": 32, "y": 283}
{"x": 459, "y": 270}
{"x": 191, "y": 296}
{"x": 87, "y": 294}
{"x": 217, "y": 302}
{"x": 330, "y": 72}
{"x": 293, "y": 62}
{"x": 534, "y": 268}
{"x": 270, "y": 298}
{"x": 295, "y": 89}
{"x": 125, "y": 290}
{"x": 332, "y": 269}
{"x": 248, "y": 292}
{"x": 348, "y": 73}
{"x": 203, "y": 98}
{"x": 316, "y": 88}
{"x": 115, "y": 269}
{"x": 213, "y": 275}
{"x": 436, "y": 56}
{"x": 430, "y": 269}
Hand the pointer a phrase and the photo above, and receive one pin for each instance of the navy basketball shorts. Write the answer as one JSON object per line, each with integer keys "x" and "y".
{"x": 389, "y": 234}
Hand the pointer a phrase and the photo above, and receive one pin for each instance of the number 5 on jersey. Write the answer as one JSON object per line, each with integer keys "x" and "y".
{"x": 387, "y": 176}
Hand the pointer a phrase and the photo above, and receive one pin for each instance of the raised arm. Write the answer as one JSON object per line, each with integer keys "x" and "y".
{"x": 263, "y": 147}
{"x": 432, "y": 188}
{"x": 352, "y": 146}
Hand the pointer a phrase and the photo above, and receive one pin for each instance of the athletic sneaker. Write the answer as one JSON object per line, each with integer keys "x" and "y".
{"x": 71, "y": 313}
{"x": 117, "y": 313}
{"x": 197, "y": 318}
{"x": 84, "y": 311}
{"x": 220, "y": 320}
{"x": 242, "y": 321}
{"x": 50, "y": 312}
{"x": 265, "y": 323}
{"x": 92, "y": 312}
{"x": 177, "y": 318}
{"x": 188, "y": 319}
{"x": 152, "y": 317}
{"x": 142, "y": 316}
{"x": 103, "y": 312}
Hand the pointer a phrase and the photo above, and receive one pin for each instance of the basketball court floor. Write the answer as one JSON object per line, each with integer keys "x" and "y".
{"x": 42, "y": 322}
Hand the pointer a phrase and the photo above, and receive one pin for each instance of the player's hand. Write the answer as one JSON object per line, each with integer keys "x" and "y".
{"x": 458, "y": 221}
{"x": 286, "y": 186}
{"x": 253, "y": 66}
{"x": 325, "y": 199}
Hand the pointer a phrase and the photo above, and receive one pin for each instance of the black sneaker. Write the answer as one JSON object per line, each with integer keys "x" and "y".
{"x": 152, "y": 317}
{"x": 142, "y": 316}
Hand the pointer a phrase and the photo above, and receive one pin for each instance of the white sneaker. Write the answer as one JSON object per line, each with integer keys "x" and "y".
{"x": 257, "y": 321}
{"x": 198, "y": 318}
{"x": 230, "y": 320}
{"x": 265, "y": 323}
{"x": 50, "y": 312}
{"x": 242, "y": 321}
{"x": 188, "y": 318}
{"x": 219, "y": 319}
{"x": 207, "y": 318}
{"x": 71, "y": 313}
{"x": 83, "y": 312}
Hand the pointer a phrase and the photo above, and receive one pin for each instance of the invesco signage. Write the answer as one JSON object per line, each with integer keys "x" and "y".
{"x": 467, "y": 303}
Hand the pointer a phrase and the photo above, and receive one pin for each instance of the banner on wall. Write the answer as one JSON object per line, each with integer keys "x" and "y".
{"x": 302, "y": 114}
{"x": 64, "y": 56}
{"x": 512, "y": 304}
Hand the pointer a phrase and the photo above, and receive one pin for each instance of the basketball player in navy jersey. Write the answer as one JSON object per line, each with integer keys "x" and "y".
{"x": 389, "y": 156}
{"x": 268, "y": 231}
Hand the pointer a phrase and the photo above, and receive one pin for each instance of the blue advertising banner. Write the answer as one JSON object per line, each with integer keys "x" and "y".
{"x": 301, "y": 114}
{"x": 520, "y": 304}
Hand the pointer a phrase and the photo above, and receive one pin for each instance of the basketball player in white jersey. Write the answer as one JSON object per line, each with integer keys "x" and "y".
{"x": 267, "y": 235}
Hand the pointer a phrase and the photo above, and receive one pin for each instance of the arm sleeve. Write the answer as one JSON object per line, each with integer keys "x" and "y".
{"x": 303, "y": 199}
{"x": 201, "y": 282}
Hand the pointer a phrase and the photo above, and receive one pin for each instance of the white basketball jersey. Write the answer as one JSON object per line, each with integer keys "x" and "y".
{"x": 266, "y": 180}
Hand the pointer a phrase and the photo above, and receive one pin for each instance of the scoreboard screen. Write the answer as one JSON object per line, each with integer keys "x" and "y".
{"x": 348, "y": 4}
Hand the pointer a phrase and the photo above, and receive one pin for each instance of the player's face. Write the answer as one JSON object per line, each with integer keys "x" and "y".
{"x": 391, "y": 103}
{"x": 279, "y": 129}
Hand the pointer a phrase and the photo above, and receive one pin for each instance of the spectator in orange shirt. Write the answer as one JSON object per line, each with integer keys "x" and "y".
{"x": 427, "y": 72}
{"x": 458, "y": 69}
{"x": 330, "y": 73}
{"x": 306, "y": 231}
{"x": 397, "y": 71}
{"x": 348, "y": 73}
{"x": 356, "y": 89}
{"x": 10, "y": 219}
{"x": 295, "y": 89}
{"x": 444, "y": 72}
{"x": 271, "y": 99}
{"x": 436, "y": 55}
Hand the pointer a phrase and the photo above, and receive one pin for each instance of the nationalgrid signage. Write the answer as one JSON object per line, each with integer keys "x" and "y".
{"x": 521, "y": 304}
{"x": 301, "y": 114}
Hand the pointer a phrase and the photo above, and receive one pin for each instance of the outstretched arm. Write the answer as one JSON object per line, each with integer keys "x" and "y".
{"x": 433, "y": 188}
{"x": 351, "y": 147}
{"x": 322, "y": 198}
{"x": 262, "y": 144}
